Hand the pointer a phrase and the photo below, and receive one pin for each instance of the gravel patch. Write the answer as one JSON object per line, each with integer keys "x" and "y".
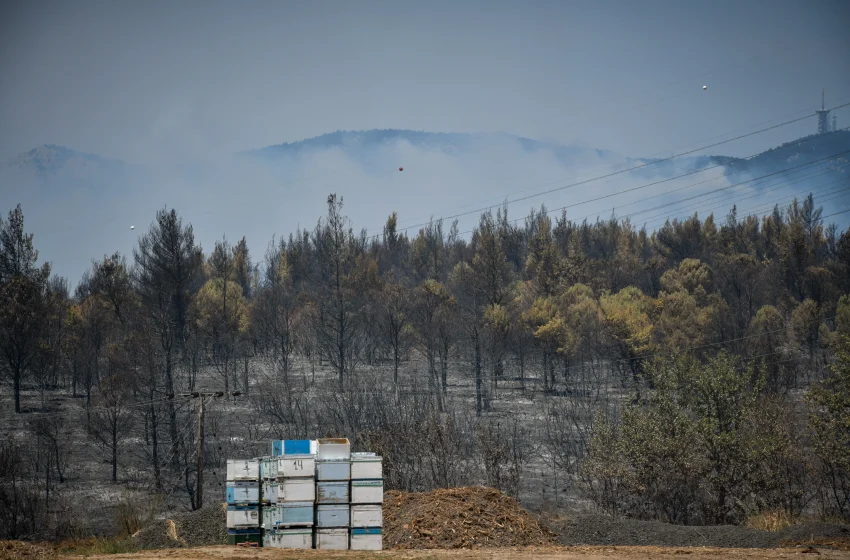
{"x": 602, "y": 530}
{"x": 806, "y": 531}
{"x": 207, "y": 526}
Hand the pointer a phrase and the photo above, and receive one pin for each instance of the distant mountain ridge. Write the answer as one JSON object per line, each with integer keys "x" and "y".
{"x": 49, "y": 158}
{"x": 835, "y": 144}
{"x": 448, "y": 142}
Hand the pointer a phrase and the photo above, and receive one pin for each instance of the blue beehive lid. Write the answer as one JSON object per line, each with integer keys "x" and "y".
{"x": 241, "y": 508}
{"x": 366, "y": 531}
{"x": 296, "y": 447}
{"x": 290, "y": 447}
{"x": 243, "y": 531}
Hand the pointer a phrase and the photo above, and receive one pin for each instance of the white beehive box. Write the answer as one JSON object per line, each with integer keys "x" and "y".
{"x": 296, "y": 465}
{"x": 270, "y": 492}
{"x": 289, "y": 514}
{"x": 333, "y": 469}
{"x": 289, "y": 538}
{"x": 367, "y": 516}
{"x": 243, "y": 493}
{"x": 367, "y": 491}
{"x": 333, "y": 492}
{"x": 268, "y": 468}
{"x": 332, "y": 515}
{"x": 332, "y": 539}
{"x": 243, "y": 517}
{"x": 239, "y": 469}
{"x": 296, "y": 490}
{"x": 366, "y": 465}
{"x": 367, "y": 539}
{"x": 333, "y": 448}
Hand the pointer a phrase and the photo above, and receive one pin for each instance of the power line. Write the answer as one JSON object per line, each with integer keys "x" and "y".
{"x": 735, "y": 201}
{"x": 759, "y": 208}
{"x": 775, "y": 187}
{"x": 96, "y": 408}
{"x": 667, "y": 193}
{"x": 626, "y": 170}
{"x": 714, "y": 191}
{"x": 835, "y": 213}
{"x": 498, "y": 200}
{"x": 655, "y": 183}
{"x": 591, "y": 173}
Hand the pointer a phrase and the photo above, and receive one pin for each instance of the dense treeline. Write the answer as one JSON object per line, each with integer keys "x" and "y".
{"x": 667, "y": 366}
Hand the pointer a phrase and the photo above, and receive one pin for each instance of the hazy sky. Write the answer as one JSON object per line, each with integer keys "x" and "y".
{"x": 150, "y": 80}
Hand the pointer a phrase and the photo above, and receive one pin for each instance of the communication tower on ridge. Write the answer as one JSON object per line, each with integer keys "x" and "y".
{"x": 823, "y": 115}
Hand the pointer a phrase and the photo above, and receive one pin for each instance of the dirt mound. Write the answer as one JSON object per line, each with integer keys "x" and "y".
{"x": 602, "y": 530}
{"x": 459, "y": 518}
{"x": 17, "y": 550}
{"x": 207, "y": 526}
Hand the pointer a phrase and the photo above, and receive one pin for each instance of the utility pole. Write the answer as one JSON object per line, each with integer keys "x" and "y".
{"x": 199, "y": 491}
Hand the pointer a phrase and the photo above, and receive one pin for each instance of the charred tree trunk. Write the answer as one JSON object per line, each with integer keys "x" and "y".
{"x": 479, "y": 400}
{"x": 396, "y": 360}
{"x": 521, "y": 358}
{"x": 17, "y": 389}
{"x": 172, "y": 410}
{"x": 245, "y": 375}
{"x": 155, "y": 447}
{"x": 545, "y": 371}
{"x": 114, "y": 450}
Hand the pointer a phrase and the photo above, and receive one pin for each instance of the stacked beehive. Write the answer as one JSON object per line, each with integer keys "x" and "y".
{"x": 333, "y": 474}
{"x": 289, "y": 494}
{"x": 243, "y": 502}
{"x": 367, "y": 496}
{"x": 307, "y": 494}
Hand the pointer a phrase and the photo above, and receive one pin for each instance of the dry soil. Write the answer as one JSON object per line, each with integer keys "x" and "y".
{"x": 530, "y": 553}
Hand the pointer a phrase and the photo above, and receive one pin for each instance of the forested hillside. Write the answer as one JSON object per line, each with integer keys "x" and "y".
{"x": 696, "y": 374}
